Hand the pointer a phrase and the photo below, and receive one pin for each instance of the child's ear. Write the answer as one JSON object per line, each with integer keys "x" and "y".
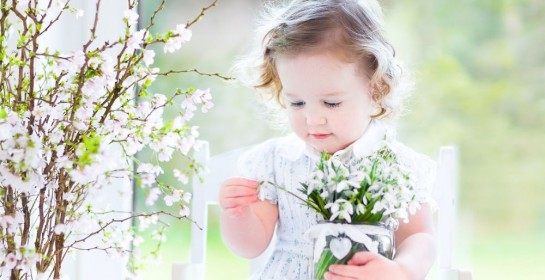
{"x": 378, "y": 89}
{"x": 381, "y": 111}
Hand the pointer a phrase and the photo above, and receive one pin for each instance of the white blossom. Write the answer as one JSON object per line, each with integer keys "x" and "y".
{"x": 153, "y": 195}
{"x": 77, "y": 137}
{"x": 137, "y": 241}
{"x": 175, "y": 197}
{"x": 181, "y": 176}
{"x": 148, "y": 57}
{"x": 181, "y": 35}
{"x": 184, "y": 211}
{"x": 186, "y": 197}
{"x": 159, "y": 235}
{"x": 135, "y": 40}
{"x": 131, "y": 16}
{"x": 11, "y": 261}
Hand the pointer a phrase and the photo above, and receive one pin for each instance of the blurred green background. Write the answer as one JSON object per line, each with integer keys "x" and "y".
{"x": 478, "y": 67}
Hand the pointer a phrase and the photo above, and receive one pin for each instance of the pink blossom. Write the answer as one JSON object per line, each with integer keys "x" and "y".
{"x": 10, "y": 261}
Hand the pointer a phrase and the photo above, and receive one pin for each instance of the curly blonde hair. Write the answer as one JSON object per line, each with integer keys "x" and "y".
{"x": 350, "y": 28}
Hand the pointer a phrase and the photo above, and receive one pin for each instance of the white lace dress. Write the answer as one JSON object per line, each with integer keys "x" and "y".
{"x": 287, "y": 161}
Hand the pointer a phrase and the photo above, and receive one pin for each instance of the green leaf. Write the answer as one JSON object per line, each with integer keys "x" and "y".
{"x": 3, "y": 113}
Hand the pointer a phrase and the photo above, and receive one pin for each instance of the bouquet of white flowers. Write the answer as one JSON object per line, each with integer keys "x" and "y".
{"x": 364, "y": 192}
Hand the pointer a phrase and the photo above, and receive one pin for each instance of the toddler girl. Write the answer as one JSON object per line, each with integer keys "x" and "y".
{"x": 328, "y": 65}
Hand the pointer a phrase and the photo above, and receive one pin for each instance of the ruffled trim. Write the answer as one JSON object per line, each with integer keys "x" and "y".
{"x": 424, "y": 171}
{"x": 257, "y": 163}
{"x": 268, "y": 192}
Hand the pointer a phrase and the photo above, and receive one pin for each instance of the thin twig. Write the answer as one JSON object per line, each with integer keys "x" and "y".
{"x": 203, "y": 11}
{"x": 195, "y": 71}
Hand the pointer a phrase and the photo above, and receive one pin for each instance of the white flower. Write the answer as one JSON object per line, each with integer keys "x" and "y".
{"x": 135, "y": 40}
{"x": 131, "y": 16}
{"x": 175, "y": 197}
{"x": 187, "y": 197}
{"x": 148, "y": 57}
{"x": 60, "y": 229}
{"x": 137, "y": 241}
{"x": 159, "y": 100}
{"x": 153, "y": 195}
{"x": 184, "y": 211}
{"x": 41, "y": 110}
{"x": 341, "y": 186}
{"x": 165, "y": 154}
{"x": 143, "y": 223}
{"x": 59, "y": 4}
{"x": 178, "y": 122}
{"x": 79, "y": 13}
{"x": 69, "y": 197}
{"x": 94, "y": 87}
{"x": 10, "y": 261}
{"x": 181, "y": 176}
{"x": 185, "y": 34}
{"x": 341, "y": 208}
{"x": 159, "y": 235}
{"x": 181, "y": 35}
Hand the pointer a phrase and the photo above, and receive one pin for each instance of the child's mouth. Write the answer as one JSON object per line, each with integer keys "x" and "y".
{"x": 321, "y": 135}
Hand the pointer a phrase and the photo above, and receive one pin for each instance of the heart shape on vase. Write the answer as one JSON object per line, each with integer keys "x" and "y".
{"x": 340, "y": 247}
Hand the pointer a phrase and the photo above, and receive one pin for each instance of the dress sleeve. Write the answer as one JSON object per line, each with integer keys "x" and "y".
{"x": 257, "y": 163}
{"x": 423, "y": 170}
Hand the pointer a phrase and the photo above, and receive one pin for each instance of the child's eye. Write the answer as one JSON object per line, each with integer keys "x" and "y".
{"x": 297, "y": 104}
{"x": 332, "y": 104}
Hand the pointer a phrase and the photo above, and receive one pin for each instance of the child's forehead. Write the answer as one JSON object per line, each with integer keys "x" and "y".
{"x": 323, "y": 94}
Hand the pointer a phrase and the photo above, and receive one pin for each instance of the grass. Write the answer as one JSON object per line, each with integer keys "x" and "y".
{"x": 509, "y": 256}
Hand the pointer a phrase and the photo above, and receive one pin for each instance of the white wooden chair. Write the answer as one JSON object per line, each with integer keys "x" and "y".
{"x": 224, "y": 166}
{"x": 446, "y": 195}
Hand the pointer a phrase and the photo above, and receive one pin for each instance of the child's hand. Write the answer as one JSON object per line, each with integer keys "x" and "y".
{"x": 236, "y": 195}
{"x": 366, "y": 265}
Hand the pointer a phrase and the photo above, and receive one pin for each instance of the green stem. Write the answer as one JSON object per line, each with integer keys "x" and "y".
{"x": 284, "y": 189}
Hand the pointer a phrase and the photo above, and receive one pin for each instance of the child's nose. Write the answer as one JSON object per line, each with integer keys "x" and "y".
{"x": 315, "y": 118}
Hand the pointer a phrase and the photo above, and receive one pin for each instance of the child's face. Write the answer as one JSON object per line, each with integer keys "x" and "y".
{"x": 327, "y": 99}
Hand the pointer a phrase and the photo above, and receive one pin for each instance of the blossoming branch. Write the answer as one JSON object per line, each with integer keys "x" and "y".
{"x": 70, "y": 125}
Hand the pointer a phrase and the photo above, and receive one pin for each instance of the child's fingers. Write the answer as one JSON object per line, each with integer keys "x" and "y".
{"x": 236, "y": 211}
{"x": 345, "y": 270}
{"x": 362, "y": 258}
{"x": 238, "y": 191}
{"x": 239, "y": 181}
{"x": 227, "y": 203}
{"x": 333, "y": 276}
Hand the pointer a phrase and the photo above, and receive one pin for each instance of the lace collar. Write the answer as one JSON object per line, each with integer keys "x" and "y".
{"x": 294, "y": 147}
